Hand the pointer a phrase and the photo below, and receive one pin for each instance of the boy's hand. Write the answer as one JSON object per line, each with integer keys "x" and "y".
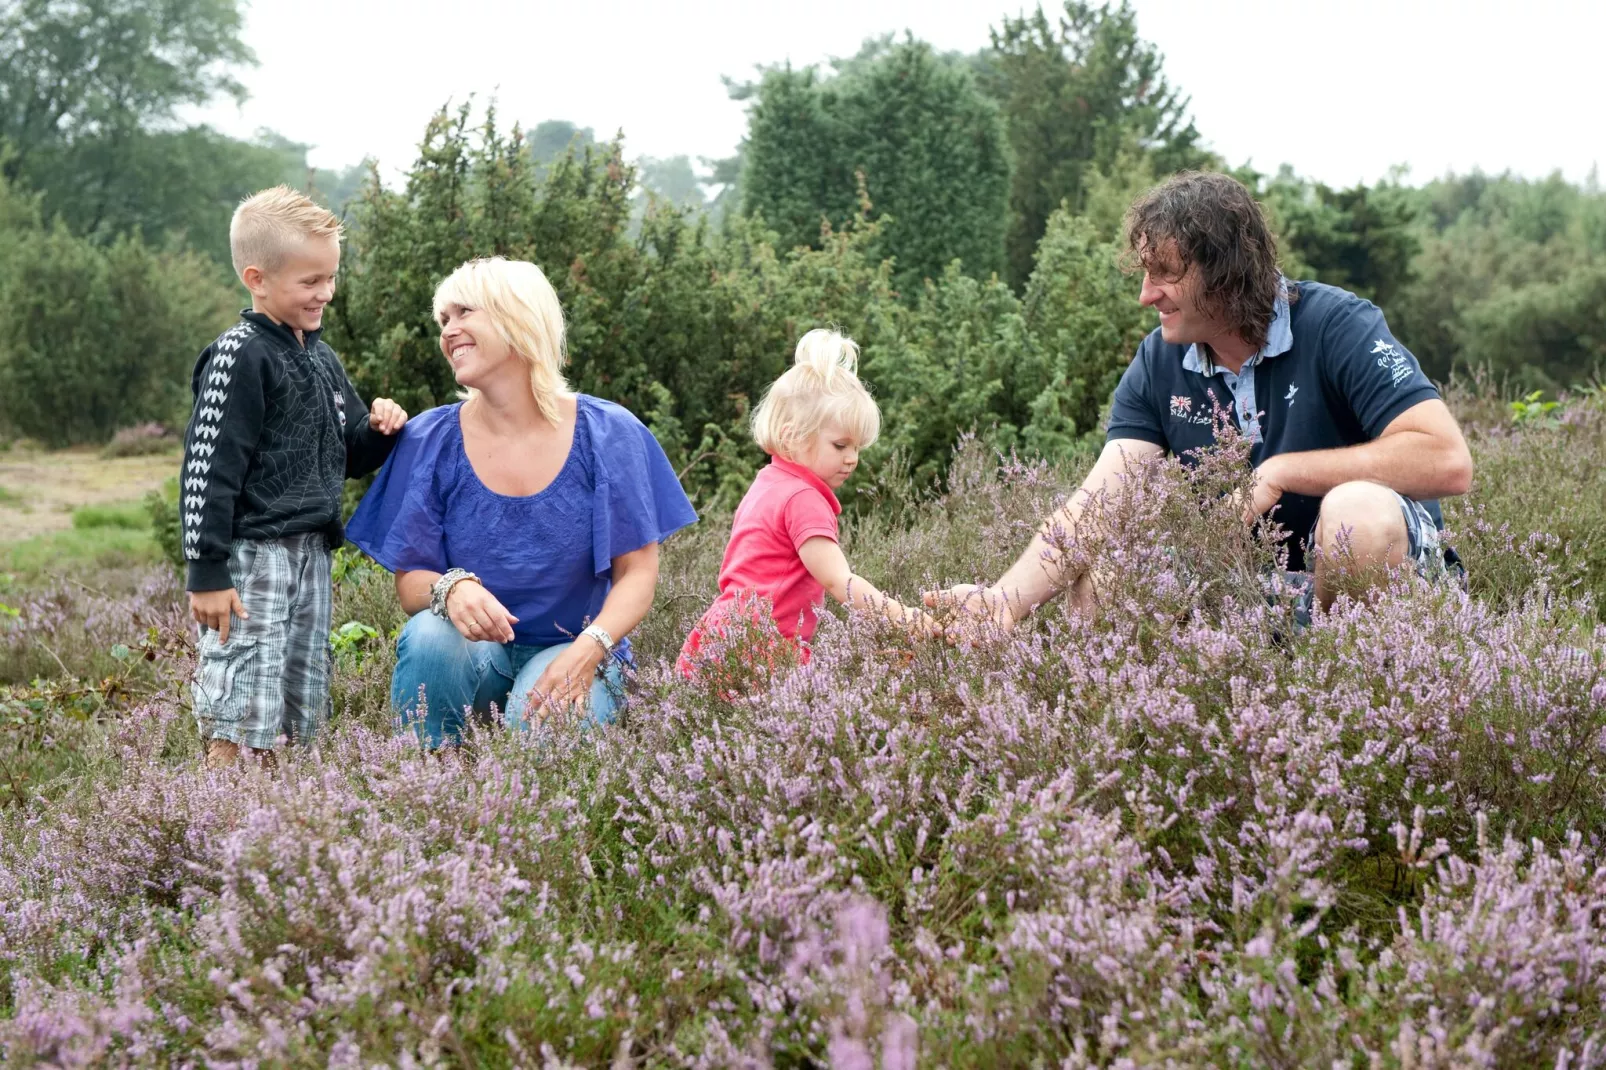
{"x": 215, "y": 609}
{"x": 386, "y": 417}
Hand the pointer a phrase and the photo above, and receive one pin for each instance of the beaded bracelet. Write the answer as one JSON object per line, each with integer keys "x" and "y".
{"x": 441, "y": 589}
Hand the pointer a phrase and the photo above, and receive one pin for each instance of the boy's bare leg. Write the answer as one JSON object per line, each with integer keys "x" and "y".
{"x": 223, "y": 753}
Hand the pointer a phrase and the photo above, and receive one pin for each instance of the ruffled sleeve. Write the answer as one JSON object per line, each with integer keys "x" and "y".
{"x": 399, "y": 522}
{"x": 638, "y": 500}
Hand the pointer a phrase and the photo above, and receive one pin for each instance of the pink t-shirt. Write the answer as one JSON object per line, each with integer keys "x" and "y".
{"x": 785, "y": 507}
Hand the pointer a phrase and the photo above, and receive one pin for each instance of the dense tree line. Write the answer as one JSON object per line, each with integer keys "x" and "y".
{"x": 959, "y": 214}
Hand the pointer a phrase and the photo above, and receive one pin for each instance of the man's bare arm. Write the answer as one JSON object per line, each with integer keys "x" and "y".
{"x": 1421, "y": 454}
{"x": 1039, "y": 573}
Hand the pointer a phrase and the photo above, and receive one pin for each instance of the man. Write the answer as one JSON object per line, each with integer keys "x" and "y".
{"x": 1350, "y": 441}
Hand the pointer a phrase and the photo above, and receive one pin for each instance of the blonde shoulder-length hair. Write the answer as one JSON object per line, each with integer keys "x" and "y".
{"x": 821, "y": 388}
{"x": 524, "y": 311}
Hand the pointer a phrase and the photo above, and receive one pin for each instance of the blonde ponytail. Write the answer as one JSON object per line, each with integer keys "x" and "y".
{"x": 821, "y": 388}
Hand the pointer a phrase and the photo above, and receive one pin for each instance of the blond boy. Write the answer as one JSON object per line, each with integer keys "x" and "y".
{"x": 277, "y": 428}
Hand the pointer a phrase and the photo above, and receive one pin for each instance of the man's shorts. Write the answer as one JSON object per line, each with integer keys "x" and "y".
{"x": 1424, "y": 550}
{"x": 271, "y": 678}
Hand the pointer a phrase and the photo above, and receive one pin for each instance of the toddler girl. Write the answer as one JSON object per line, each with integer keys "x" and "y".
{"x": 813, "y": 422}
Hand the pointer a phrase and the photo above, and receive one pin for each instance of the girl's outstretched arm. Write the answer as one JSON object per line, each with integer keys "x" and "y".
{"x": 827, "y": 564}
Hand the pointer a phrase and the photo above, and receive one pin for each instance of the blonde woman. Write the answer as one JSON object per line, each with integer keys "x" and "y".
{"x": 522, "y": 523}
{"x": 783, "y": 554}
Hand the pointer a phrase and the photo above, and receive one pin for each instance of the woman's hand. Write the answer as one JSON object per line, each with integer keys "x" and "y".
{"x": 566, "y": 684}
{"x": 477, "y": 615}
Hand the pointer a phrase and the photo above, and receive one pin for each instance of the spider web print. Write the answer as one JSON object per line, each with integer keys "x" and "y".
{"x": 292, "y": 479}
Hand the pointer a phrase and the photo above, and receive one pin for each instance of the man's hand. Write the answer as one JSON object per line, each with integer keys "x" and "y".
{"x": 386, "y": 417}
{"x": 1267, "y": 490}
{"x": 565, "y": 686}
{"x": 215, "y": 609}
{"x": 975, "y": 606}
{"x": 477, "y": 615}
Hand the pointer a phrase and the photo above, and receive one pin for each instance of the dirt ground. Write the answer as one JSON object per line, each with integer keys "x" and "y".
{"x": 39, "y": 490}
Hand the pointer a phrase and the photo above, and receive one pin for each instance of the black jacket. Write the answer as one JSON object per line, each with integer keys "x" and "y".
{"x": 276, "y": 431}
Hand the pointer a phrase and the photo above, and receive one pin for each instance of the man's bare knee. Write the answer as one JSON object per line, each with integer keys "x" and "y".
{"x": 1362, "y": 521}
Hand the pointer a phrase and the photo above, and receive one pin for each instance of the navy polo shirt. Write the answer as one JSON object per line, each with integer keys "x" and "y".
{"x": 1331, "y": 375}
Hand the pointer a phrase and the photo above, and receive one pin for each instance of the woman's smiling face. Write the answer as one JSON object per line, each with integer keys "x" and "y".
{"x": 472, "y": 345}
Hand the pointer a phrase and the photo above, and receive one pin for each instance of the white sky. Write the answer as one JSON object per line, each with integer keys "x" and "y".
{"x": 1342, "y": 91}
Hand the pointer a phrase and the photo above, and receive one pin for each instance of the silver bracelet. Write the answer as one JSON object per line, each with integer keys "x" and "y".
{"x": 602, "y": 637}
{"x": 441, "y": 589}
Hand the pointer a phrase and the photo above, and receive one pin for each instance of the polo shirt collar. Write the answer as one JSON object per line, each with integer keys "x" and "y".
{"x": 790, "y": 468}
{"x": 1279, "y": 338}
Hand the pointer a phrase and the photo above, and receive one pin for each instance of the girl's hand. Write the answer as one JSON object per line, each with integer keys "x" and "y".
{"x": 386, "y": 417}
{"x": 971, "y": 609}
{"x": 477, "y": 615}
{"x": 565, "y": 686}
{"x": 921, "y": 625}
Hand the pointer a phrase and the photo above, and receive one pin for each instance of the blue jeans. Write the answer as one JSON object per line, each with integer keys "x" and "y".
{"x": 452, "y": 676}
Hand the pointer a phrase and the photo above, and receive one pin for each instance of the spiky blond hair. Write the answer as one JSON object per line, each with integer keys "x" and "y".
{"x": 267, "y": 225}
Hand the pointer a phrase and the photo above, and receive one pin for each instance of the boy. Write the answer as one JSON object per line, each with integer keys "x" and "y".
{"x": 276, "y": 430}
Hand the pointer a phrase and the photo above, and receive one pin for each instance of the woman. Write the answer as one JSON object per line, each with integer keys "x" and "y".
{"x": 522, "y": 523}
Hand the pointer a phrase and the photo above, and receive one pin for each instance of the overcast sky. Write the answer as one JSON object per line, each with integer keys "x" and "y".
{"x": 1342, "y": 91}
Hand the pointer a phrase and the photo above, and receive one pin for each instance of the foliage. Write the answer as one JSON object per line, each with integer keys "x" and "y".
{"x": 1363, "y": 239}
{"x": 131, "y": 516}
{"x": 686, "y": 327}
{"x": 1509, "y": 280}
{"x": 1178, "y": 828}
{"x": 1536, "y": 516}
{"x": 1082, "y": 96}
{"x": 101, "y": 69}
{"x": 93, "y": 338}
{"x": 930, "y": 146}
{"x": 166, "y": 528}
{"x": 141, "y": 440}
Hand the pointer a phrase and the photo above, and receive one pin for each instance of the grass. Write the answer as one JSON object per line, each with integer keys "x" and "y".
{"x": 129, "y": 516}
{"x": 116, "y": 536}
{"x": 10, "y": 497}
{"x": 1083, "y": 786}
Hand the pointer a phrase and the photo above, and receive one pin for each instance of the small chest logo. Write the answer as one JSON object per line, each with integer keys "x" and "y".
{"x": 1391, "y": 360}
{"x": 1289, "y": 397}
{"x": 1182, "y": 409}
{"x": 340, "y": 408}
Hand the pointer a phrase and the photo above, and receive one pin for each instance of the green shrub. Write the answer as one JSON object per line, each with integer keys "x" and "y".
{"x": 1539, "y": 486}
{"x": 133, "y": 516}
{"x": 162, "y": 508}
{"x": 92, "y": 337}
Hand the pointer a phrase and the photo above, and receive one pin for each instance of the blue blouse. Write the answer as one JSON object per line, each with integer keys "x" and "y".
{"x": 547, "y": 557}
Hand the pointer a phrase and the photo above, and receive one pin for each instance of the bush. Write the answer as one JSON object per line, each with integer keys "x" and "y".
{"x": 92, "y": 337}
{"x": 140, "y": 441}
{"x": 162, "y": 508}
{"x": 130, "y": 516}
{"x": 1179, "y": 827}
{"x": 1535, "y": 520}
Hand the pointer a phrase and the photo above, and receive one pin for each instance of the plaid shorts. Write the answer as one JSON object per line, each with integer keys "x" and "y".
{"x": 271, "y": 678}
{"x": 1424, "y": 550}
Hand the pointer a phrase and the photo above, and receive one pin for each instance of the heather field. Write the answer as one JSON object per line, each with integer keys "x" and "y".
{"x": 1182, "y": 834}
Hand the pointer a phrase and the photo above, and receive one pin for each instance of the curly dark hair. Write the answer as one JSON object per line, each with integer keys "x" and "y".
{"x": 1211, "y": 220}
